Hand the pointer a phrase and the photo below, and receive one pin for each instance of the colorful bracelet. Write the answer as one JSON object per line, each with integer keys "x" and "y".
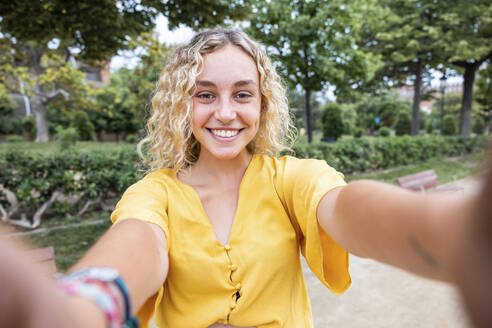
{"x": 107, "y": 289}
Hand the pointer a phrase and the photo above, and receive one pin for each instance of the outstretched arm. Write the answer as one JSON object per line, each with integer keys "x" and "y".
{"x": 416, "y": 232}
{"x": 30, "y": 299}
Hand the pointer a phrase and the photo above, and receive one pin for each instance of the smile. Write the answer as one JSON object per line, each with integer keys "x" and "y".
{"x": 225, "y": 133}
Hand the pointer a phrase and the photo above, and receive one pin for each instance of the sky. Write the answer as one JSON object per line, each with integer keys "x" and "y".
{"x": 179, "y": 35}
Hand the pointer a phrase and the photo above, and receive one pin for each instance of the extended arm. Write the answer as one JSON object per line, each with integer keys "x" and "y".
{"x": 416, "y": 232}
{"x": 29, "y": 298}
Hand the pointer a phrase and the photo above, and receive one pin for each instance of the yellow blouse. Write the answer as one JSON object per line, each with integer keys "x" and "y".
{"x": 256, "y": 279}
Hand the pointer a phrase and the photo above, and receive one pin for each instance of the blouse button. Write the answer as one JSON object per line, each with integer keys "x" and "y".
{"x": 233, "y": 267}
{"x": 227, "y": 247}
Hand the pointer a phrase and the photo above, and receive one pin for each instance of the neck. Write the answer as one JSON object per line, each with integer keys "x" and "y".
{"x": 210, "y": 169}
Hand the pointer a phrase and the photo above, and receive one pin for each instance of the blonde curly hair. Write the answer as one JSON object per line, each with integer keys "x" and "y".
{"x": 170, "y": 143}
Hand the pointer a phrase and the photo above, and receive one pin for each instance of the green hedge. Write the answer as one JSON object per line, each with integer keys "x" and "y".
{"x": 360, "y": 154}
{"x": 104, "y": 175}
{"x": 34, "y": 178}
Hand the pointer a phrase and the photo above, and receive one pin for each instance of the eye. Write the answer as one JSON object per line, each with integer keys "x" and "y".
{"x": 205, "y": 96}
{"x": 243, "y": 96}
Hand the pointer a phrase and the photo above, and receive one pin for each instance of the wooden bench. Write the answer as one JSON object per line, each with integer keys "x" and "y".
{"x": 424, "y": 180}
{"x": 45, "y": 257}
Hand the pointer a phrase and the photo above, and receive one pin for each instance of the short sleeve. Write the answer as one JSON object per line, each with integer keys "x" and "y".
{"x": 301, "y": 185}
{"x": 145, "y": 200}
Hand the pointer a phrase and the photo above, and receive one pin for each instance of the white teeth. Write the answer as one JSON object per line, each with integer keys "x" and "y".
{"x": 225, "y": 133}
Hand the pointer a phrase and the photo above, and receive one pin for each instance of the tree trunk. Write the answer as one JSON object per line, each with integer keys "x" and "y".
{"x": 40, "y": 115}
{"x": 417, "y": 88}
{"x": 38, "y": 100}
{"x": 466, "y": 102}
{"x": 307, "y": 115}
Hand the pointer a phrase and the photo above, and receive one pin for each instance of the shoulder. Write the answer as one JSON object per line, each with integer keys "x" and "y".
{"x": 156, "y": 182}
{"x": 293, "y": 166}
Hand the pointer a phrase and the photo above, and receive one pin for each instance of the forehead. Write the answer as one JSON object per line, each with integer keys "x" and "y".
{"x": 228, "y": 64}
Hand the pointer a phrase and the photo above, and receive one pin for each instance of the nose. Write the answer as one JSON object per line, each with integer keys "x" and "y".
{"x": 225, "y": 112}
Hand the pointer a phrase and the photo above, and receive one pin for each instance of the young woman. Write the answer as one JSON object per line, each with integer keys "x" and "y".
{"x": 211, "y": 236}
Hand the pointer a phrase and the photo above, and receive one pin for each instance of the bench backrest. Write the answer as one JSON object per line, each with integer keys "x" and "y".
{"x": 419, "y": 181}
{"x": 44, "y": 256}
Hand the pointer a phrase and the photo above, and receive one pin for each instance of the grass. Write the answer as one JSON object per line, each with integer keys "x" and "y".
{"x": 72, "y": 242}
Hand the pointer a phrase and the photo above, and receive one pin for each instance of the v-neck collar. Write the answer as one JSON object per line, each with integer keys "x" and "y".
{"x": 237, "y": 216}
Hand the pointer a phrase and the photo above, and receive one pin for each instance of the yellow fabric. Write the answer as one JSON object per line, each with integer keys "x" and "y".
{"x": 276, "y": 215}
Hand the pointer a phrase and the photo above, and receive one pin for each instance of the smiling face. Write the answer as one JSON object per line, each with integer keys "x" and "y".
{"x": 226, "y": 103}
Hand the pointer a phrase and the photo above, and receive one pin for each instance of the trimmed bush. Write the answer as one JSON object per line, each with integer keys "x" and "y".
{"x": 83, "y": 125}
{"x": 478, "y": 126}
{"x": 384, "y": 132}
{"x": 449, "y": 125}
{"x": 67, "y": 137}
{"x": 332, "y": 121}
{"x": 350, "y": 155}
{"x": 403, "y": 124}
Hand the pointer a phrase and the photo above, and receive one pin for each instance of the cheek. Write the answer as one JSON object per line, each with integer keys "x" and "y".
{"x": 199, "y": 115}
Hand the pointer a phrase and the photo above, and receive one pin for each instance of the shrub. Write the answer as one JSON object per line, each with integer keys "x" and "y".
{"x": 28, "y": 126}
{"x": 384, "y": 132}
{"x": 131, "y": 138}
{"x": 67, "y": 137}
{"x": 403, "y": 124}
{"x": 83, "y": 125}
{"x": 478, "y": 126}
{"x": 14, "y": 138}
{"x": 359, "y": 132}
{"x": 449, "y": 125}
{"x": 332, "y": 121}
{"x": 349, "y": 155}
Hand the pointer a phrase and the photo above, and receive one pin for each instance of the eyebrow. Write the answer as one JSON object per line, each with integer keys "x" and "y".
{"x": 240, "y": 83}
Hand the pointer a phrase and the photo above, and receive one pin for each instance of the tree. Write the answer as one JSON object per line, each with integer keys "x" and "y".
{"x": 467, "y": 31}
{"x": 314, "y": 44}
{"x": 409, "y": 42}
{"x": 483, "y": 95}
{"x": 92, "y": 31}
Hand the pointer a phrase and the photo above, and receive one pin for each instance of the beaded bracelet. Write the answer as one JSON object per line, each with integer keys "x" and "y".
{"x": 107, "y": 289}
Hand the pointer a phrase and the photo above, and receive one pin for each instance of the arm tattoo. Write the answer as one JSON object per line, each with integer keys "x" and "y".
{"x": 424, "y": 254}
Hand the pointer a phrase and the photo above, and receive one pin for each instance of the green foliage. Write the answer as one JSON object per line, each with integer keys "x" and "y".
{"x": 67, "y": 137}
{"x": 332, "y": 121}
{"x": 359, "y": 132}
{"x": 14, "y": 138}
{"x": 384, "y": 132}
{"x": 131, "y": 138}
{"x": 478, "y": 125}
{"x": 305, "y": 37}
{"x": 83, "y": 125}
{"x": 403, "y": 124}
{"x": 449, "y": 127}
{"x": 33, "y": 177}
{"x": 383, "y": 108}
{"x": 29, "y": 127}
{"x": 360, "y": 154}
{"x": 349, "y": 117}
